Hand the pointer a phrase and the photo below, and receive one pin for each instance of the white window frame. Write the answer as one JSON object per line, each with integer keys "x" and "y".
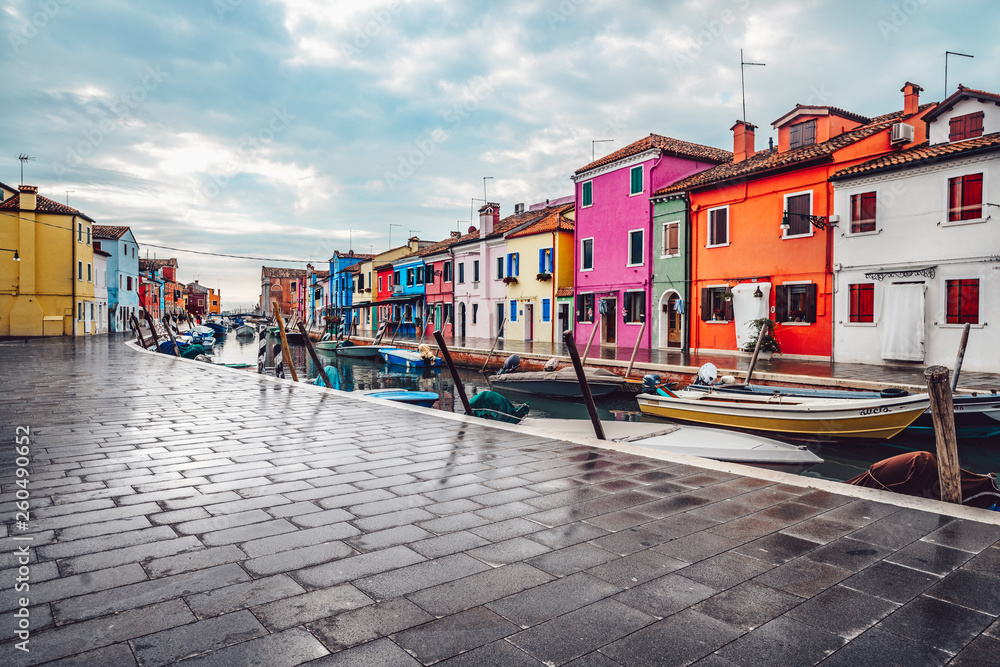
{"x": 878, "y": 217}
{"x": 642, "y": 261}
{"x": 943, "y": 319}
{"x": 591, "y": 182}
{"x": 945, "y": 207}
{"x": 708, "y": 227}
{"x": 812, "y": 208}
{"x": 642, "y": 189}
{"x": 592, "y": 254}
{"x": 663, "y": 241}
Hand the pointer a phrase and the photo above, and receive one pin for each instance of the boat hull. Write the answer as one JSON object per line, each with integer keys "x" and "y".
{"x": 424, "y": 399}
{"x": 553, "y": 388}
{"x": 407, "y": 358}
{"x": 878, "y": 419}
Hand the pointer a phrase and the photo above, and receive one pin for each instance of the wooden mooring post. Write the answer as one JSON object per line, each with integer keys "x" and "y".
{"x": 756, "y": 351}
{"x": 943, "y": 414}
{"x": 170, "y": 335}
{"x": 496, "y": 340}
{"x": 284, "y": 342}
{"x": 961, "y": 356}
{"x": 642, "y": 330}
{"x": 152, "y": 330}
{"x": 454, "y": 371}
{"x": 261, "y": 348}
{"x": 137, "y": 328}
{"x": 588, "y": 398}
{"x": 586, "y": 350}
{"x": 320, "y": 370}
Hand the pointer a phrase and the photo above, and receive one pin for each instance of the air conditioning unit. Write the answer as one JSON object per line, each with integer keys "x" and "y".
{"x": 901, "y": 133}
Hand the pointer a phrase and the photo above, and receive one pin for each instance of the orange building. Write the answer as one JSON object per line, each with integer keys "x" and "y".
{"x": 761, "y": 225}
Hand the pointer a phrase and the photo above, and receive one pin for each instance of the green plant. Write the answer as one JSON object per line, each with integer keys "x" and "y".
{"x": 769, "y": 343}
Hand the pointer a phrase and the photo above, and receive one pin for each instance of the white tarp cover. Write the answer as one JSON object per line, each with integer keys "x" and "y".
{"x": 747, "y": 307}
{"x": 901, "y": 324}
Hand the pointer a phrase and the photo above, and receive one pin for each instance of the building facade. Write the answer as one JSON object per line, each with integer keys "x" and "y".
{"x": 123, "y": 273}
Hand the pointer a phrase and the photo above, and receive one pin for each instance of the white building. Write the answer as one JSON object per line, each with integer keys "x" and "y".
{"x": 101, "y": 316}
{"x": 917, "y": 253}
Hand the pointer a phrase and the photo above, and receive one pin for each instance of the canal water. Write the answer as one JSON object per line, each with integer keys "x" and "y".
{"x": 842, "y": 460}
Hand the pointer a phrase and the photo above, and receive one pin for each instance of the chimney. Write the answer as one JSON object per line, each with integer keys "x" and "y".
{"x": 456, "y": 235}
{"x": 29, "y": 197}
{"x": 414, "y": 243}
{"x": 743, "y": 140}
{"x": 518, "y": 209}
{"x": 489, "y": 215}
{"x": 911, "y": 98}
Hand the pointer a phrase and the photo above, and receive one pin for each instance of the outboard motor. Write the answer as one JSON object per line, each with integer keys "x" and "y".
{"x": 511, "y": 364}
{"x": 707, "y": 375}
{"x": 650, "y": 382}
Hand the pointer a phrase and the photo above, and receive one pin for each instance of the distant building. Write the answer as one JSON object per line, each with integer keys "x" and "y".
{"x": 123, "y": 273}
{"x": 197, "y": 299}
{"x": 281, "y": 285}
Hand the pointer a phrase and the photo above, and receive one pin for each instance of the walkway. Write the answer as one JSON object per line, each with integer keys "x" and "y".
{"x": 181, "y": 512}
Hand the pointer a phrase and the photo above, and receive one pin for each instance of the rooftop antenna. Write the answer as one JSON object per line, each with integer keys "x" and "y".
{"x": 413, "y": 230}
{"x": 23, "y": 157}
{"x": 743, "y": 87}
{"x": 946, "y": 54}
{"x": 67, "y": 196}
{"x": 485, "y": 178}
{"x": 593, "y": 150}
{"x": 472, "y": 206}
{"x": 391, "y": 225}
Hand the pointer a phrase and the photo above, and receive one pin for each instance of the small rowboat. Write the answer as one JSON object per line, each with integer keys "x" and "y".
{"x": 408, "y": 358}
{"x": 424, "y": 399}
{"x": 562, "y": 383}
{"x": 346, "y": 348}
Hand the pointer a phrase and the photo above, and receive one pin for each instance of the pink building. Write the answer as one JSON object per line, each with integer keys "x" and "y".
{"x": 615, "y": 230}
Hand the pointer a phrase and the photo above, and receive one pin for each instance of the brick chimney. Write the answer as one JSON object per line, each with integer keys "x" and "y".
{"x": 456, "y": 235}
{"x": 743, "y": 136}
{"x": 911, "y": 98}
{"x": 489, "y": 215}
{"x": 29, "y": 197}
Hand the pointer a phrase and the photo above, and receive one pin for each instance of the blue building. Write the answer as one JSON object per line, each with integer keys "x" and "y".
{"x": 409, "y": 276}
{"x": 123, "y": 273}
{"x": 343, "y": 282}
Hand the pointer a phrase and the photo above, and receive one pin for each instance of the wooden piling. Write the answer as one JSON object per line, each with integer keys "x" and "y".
{"x": 152, "y": 330}
{"x": 943, "y": 414}
{"x": 642, "y": 329}
{"x": 261, "y": 348}
{"x": 756, "y": 351}
{"x": 588, "y": 398}
{"x": 961, "y": 356}
{"x": 320, "y": 370}
{"x": 593, "y": 332}
{"x": 454, "y": 372}
{"x": 284, "y": 340}
{"x": 137, "y": 328}
{"x": 170, "y": 335}
{"x": 495, "y": 341}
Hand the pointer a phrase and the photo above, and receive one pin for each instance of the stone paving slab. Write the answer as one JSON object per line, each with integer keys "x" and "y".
{"x": 183, "y": 514}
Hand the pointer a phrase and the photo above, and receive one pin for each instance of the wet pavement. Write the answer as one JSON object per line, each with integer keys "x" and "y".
{"x": 184, "y": 513}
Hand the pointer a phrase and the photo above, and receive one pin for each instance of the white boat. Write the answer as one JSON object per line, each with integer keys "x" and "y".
{"x": 246, "y": 331}
{"x": 709, "y": 443}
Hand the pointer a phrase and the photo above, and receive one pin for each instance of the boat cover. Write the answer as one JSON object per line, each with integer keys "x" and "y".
{"x": 491, "y": 405}
{"x": 916, "y": 474}
{"x": 599, "y": 375}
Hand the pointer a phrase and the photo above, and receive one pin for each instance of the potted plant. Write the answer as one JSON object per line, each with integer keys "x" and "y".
{"x": 510, "y": 280}
{"x": 543, "y": 276}
{"x": 769, "y": 343}
{"x": 727, "y": 295}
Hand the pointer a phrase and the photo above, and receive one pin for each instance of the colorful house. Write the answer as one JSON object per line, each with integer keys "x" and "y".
{"x": 614, "y": 233}
{"x": 150, "y": 289}
{"x": 123, "y": 273}
{"x": 543, "y": 252}
{"x": 408, "y": 291}
{"x": 671, "y": 272}
{"x": 46, "y": 266}
{"x": 102, "y": 314}
{"x": 346, "y": 287}
{"x": 439, "y": 285}
{"x": 281, "y": 285}
{"x": 197, "y": 300}
{"x": 917, "y": 256}
{"x": 761, "y": 226}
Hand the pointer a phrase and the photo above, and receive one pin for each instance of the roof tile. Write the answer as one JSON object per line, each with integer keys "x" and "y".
{"x": 679, "y": 148}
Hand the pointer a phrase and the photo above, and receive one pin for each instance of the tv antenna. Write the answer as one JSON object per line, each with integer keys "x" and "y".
{"x": 391, "y": 225}
{"x": 743, "y": 87}
{"x": 946, "y": 54}
{"x": 67, "y": 196}
{"x": 593, "y": 150}
{"x": 485, "y": 178}
{"x": 23, "y": 157}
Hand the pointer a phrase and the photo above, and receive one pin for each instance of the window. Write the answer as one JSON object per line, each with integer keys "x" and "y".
{"x": 129, "y": 286}
{"x": 461, "y": 273}
{"x": 446, "y": 272}
{"x": 475, "y": 270}
{"x": 635, "y": 250}
{"x": 499, "y": 268}
{"x": 863, "y": 213}
{"x": 475, "y": 312}
{"x": 587, "y": 255}
{"x": 79, "y": 270}
{"x": 294, "y": 286}
{"x": 395, "y": 278}
{"x": 512, "y": 263}
{"x": 545, "y": 260}
{"x": 862, "y": 306}
{"x": 88, "y": 235}
{"x": 90, "y": 273}
{"x": 963, "y": 301}
{"x": 587, "y": 193}
{"x": 584, "y": 307}
{"x": 718, "y": 226}
{"x": 798, "y": 208}
{"x": 133, "y": 252}
{"x": 802, "y": 134}
{"x": 968, "y": 126}
{"x": 513, "y": 311}
{"x": 546, "y": 310}
{"x": 380, "y": 283}
{"x": 215, "y": 303}
{"x": 635, "y": 307}
{"x": 965, "y": 197}
{"x": 715, "y": 307}
{"x": 795, "y": 303}
{"x": 79, "y": 311}
{"x": 361, "y": 282}
{"x": 409, "y": 277}
{"x": 671, "y": 239}
{"x": 635, "y": 180}
{"x": 79, "y": 231}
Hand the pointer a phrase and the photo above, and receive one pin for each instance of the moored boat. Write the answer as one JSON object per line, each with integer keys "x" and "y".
{"x": 409, "y": 358}
{"x": 424, "y": 399}
{"x": 562, "y": 383}
{"x": 245, "y": 331}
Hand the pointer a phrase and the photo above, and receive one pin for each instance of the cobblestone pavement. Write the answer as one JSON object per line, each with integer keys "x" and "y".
{"x": 181, "y": 513}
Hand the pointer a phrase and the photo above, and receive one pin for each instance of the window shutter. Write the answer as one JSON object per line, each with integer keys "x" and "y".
{"x": 706, "y": 305}
{"x": 811, "y": 303}
{"x": 957, "y": 128}
{"x": 546, "y": 309}
{"x": 780, "y": 299}
{"x": 517, "y": 263}
{"x": 728, "y": 308}
{"x": 974, "y": 126}
{"x": 541, "y": 260}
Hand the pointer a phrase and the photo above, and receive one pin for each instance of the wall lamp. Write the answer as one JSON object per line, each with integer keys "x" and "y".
{"x": 817, "y": 221}
{"x": 17, "y": 258}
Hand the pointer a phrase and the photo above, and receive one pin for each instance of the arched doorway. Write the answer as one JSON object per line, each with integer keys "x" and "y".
{"x": 671, "y": 321}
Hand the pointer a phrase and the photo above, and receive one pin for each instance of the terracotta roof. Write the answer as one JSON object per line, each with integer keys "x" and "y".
{"x": 323, "y": 273}
{"x": 922, "y": 153}
{"x": 554, "y": 220}
{"x": 350, "y": 254}
{"x": 146, "y": 264}
{"x": 675, "y": 146}
{"x": 98, "y": 251}
{"x": 42, "y": 205}
{"x": 109, "y": 232}
{"x": 767, "y": 160}
{"x": 564, "y": 291}
{"x": 962, "y": 93}
{"x": 505, "y": 226}
{"x": 276, "y": 272}
{"x": 833, "y": 111}
{"x": 435, "y": 248}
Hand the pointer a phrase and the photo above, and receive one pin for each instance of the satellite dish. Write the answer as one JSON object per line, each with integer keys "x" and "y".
{"x": 707, "y": 374}
{"x": 472, "y": 230}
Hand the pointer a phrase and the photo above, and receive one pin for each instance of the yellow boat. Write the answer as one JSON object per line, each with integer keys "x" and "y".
{"x": 791, "y": 416}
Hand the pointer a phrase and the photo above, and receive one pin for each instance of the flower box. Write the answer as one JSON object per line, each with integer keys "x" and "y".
{"x": 543, "y": 277}
{"x": 510, "y": 280}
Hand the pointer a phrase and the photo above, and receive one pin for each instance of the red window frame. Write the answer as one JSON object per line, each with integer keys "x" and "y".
{"x": 968, "y": 126}
{"x": 863, "y": 212}
{"x": 965, "y": 197}
{"x": 862, "y": 302}
{"x": 963, "y": 301}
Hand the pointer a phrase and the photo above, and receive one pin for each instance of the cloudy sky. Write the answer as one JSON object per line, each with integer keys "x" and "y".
{"x": 292, "y": 128}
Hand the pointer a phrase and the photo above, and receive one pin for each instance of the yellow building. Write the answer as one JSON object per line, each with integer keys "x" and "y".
{"x": 50, "y": 290}
{"x": 541, "y": 256}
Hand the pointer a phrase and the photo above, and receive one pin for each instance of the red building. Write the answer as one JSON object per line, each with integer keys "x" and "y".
{"x": 281, "y": 285}
{"x": 197, "y": 299}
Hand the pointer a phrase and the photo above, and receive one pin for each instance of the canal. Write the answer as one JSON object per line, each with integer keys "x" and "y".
{"x": 842, "y": 460}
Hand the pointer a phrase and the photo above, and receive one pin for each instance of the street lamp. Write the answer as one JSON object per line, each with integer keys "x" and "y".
{"x": 17, "y": 258}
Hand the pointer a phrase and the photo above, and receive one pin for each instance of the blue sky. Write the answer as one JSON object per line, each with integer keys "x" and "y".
{"x": 293, "y": 128}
